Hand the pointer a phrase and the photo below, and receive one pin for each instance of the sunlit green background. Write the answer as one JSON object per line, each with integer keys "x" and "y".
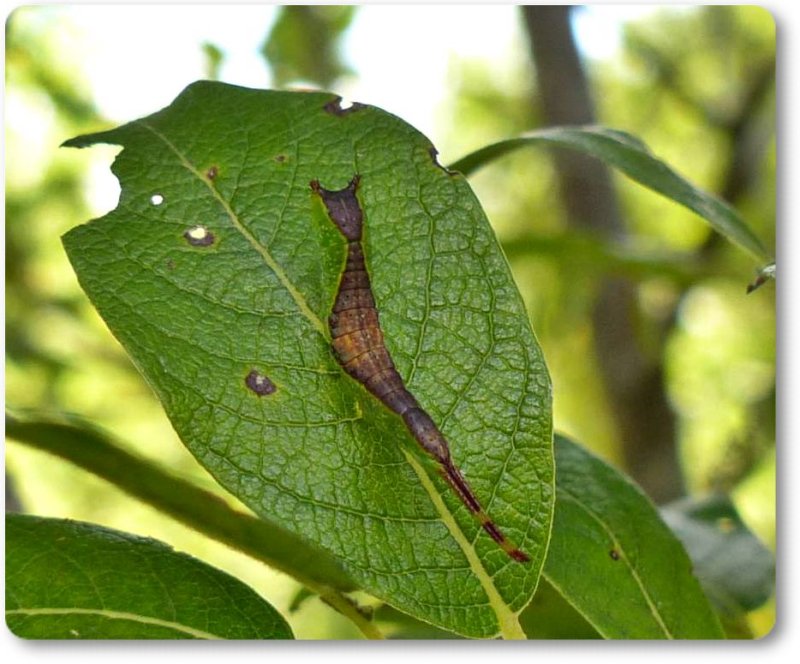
{"x": 696, "y": 84}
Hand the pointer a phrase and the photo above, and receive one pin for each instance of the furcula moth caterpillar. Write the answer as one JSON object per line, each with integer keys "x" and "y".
{"x": 358, "y": 345}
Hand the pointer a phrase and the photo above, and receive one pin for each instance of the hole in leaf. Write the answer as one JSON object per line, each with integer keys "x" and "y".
{"x": 199, "y": 236}
{"x": 434, "y": 153}
{"x": 156, "y": 199}
{"x": 259, "y": 383}
{"x": 339, "y": 106}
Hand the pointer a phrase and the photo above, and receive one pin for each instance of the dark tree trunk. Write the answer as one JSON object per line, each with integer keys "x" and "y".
{"x": 634, "y": 379}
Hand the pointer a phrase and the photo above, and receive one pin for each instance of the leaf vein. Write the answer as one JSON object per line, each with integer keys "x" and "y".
{"x": 115, "y": 615}
{"x": 267, "y": 257}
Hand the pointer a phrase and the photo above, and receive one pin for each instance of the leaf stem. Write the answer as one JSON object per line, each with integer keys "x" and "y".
{"x": 89, "y": 448}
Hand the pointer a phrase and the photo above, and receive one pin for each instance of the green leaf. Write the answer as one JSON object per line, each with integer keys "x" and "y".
{"x": 400, "y": 626}
{"x": 79, "y": 442}
{"x": 304, "y": 44}
{"x": 73, "y": 580}
{"x": 214, "y": 58}
{"x": 735, "y": 569}
{"x": 320, "y": 456}
{"x": 614, "y": 559}
{"x": 634, "y": 159}
{"x": 550, "y": 616}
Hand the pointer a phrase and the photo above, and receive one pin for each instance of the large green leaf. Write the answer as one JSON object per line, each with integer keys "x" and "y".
{"x": 72, "y": 580}
{"x": 200, "y": 309}
{"x": 632, "y": 157}
{"x": 614, "y": 559}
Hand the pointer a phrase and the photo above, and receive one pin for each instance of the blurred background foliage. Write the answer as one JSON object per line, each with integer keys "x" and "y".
{"x": 659, "y": 360}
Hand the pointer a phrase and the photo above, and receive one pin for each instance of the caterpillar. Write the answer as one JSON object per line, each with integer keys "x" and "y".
{"x": 358, "y": 345}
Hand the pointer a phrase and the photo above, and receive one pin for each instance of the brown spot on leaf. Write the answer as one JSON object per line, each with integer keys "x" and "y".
{"x": 280, "y": 158}
{"x": 614, "y": 554}
{"x": 199, "y": 236}
{"x": 212, "y": 172}
{"x": 259, "y": 383}
{"x": 337, "y": 107}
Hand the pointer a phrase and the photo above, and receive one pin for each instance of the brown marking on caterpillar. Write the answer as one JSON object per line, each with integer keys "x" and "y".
{"x": 351, "y": 346}
{"x": 334, "y": 107}
{"x": 357, "y": 341}
{"x": 259, "y": 383}
{"x": 212, "y": 172}
{"x": 199, "y": 236}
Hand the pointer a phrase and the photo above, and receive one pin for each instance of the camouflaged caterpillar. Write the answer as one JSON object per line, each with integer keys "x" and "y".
{"x": 357, "y": 341}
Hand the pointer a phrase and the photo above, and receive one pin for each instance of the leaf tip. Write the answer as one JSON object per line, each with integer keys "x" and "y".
{"x": 88, "y": 140}
{"x": 764, "y": 275}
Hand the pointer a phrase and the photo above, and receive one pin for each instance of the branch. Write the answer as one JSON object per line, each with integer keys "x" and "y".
{"x": 89, "y": 448}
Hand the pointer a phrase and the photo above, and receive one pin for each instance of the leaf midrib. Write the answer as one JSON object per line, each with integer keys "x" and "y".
{"x": 623, "y": 558}
{"x": 115, "y": 615}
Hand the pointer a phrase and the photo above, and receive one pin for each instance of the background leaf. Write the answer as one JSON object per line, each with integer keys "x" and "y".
{"x": 320, "y": 456}
{"x": 736, "y": 570}
{"x": 87, "y": 446}
{"x": 613, "y": 558}
{"x": 72, "y": 580}
{"x": 550, "y": 616}
{"x": 303, "y": 44}
{"x": 631, "y": 156}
